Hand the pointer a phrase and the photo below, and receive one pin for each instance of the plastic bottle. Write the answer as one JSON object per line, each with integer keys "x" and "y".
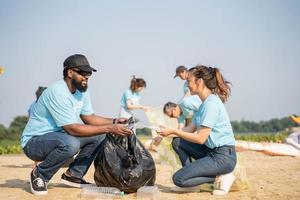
{"x": 94, "y": 192}
{"x": 148, "y": 193}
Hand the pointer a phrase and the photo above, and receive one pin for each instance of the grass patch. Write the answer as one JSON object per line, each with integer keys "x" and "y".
{"x": 10, "y": 147}
{"x": 263, "y": 137}
{"x": 13, "y": 146}
{"x": 5, "y": 142}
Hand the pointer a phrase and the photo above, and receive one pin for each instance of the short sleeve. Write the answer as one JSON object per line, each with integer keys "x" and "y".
{"x": 209, "y": 115}
{"x": 60, "y": 109}
{"x": 87, "y": 108}
{"x": 181, "y": 119}
{"x": 196, "y": 118}
{"x": 128, "y": 95}
{"x": 185, "y": 87}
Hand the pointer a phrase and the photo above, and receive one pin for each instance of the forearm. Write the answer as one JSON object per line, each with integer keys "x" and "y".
{"x": 96, "y": 120}
{"x": 134, "y": 107}
{"x": 84, "y": 130}
{"x": 199, "y": 137}
{"x": 191, "y": 137}
{"x": 180, "y": 126}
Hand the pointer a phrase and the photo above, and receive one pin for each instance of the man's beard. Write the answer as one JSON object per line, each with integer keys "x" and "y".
{"x": 78, "y": 86}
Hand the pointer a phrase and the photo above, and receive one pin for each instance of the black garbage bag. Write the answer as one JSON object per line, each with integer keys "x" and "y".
{"x": 124, "y": 163}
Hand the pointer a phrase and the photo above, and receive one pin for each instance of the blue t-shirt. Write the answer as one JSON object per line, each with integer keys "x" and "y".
{"x": 189, "y": 105}
{"x": 134, "y": 97}
{"x": 212, "y": 114}
{"x": 55, "y": 108}
{"x": 185, "y": 88}
{"x": 31, "y": 108}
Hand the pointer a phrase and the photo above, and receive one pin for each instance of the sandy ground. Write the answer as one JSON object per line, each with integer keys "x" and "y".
{"x": 269, "y": 177}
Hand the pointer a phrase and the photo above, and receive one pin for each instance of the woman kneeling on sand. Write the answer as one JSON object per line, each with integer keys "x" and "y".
{"x": 209, "y": 139}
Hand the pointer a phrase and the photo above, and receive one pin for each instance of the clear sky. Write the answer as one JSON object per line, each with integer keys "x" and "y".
{"x": 256, "y": 44}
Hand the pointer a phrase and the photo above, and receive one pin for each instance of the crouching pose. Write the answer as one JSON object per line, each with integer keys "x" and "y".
{"x": 55, "y": 133}
{"x": 209, "y": 139}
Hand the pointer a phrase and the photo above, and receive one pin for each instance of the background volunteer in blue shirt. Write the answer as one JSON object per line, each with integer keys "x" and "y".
{"x": 182, "y": 73}
{"x": 55, "y": 133}
{"x": 184, "y": 111}
{"x": 131, "y": 98}
{"x": 38, "y": 93}
{"x": 209, "y": 139}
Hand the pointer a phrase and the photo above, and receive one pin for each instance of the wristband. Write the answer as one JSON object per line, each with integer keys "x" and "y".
{"x": 114, "y": 120}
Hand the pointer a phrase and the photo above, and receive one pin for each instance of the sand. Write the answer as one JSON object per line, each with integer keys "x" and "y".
{"x": 269, "y": 177}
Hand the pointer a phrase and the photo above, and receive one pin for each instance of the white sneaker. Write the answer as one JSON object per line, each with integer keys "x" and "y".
{"x": 186, "y": 189}
{"x": 223, "y": 184}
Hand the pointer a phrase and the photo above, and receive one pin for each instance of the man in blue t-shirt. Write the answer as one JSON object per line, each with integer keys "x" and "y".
{"x": 55, "y": 132}
{"x": 184, "y": 110}
{"x": 182, "y": 73}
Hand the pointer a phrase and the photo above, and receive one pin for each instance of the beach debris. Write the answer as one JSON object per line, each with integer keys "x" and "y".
{"x": 1, "y": 70}
{"x": 272, "y": 149}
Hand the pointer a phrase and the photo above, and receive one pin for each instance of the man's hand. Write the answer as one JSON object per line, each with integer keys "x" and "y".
{"x": 119, "y": 129}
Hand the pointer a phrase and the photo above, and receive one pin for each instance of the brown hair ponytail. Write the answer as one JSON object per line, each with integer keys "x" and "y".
{"x": 136, "y": 83}
{"x": 213, "y": 79}
{"x": 223, "y": 89}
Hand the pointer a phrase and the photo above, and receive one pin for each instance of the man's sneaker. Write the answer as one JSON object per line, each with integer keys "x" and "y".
{"x": 37, "y": 185}
{"x": 186, "y": 189}
{"x": 223, "y": 184}
{"x": 73, "y": 181}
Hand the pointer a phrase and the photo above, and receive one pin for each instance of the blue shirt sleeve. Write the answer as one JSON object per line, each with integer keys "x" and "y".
{"x": 185, "y": 88}
{"x": 209, "y": 115}
{"x": 87, "y": 108}
{"x": 128, "y": 95}
{"x": 60, "y": 109}
{"x": 181, "y": 119}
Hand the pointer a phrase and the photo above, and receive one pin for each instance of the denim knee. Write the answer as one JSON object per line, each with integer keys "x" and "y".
{"x": 71, "y": 147}
{"x": 175, "y": 143}
{"x": 177, "y": 180}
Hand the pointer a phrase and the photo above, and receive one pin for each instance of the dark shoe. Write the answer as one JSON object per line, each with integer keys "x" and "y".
{"x": 37, "y": 185}
{"x": 73, "y": 181}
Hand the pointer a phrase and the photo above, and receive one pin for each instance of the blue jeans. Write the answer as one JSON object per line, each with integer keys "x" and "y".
{"x": 55, "y": 148}
{"x": 208, "y": 163}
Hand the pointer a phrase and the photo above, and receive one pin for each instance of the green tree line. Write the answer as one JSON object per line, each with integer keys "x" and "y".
{"x": 10, "y": 137}
{"x": 270, "y": 126}
{"x": 14, "y": 131}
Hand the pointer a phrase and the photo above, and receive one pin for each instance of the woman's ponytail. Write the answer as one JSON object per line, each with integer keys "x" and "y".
{"x": 136, "y": 83}
{"x": 223, "y": 89}
{"x": 213, "y": 79}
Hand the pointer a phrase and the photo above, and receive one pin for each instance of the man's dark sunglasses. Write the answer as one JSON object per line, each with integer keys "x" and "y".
{"x": 81, "y": 72}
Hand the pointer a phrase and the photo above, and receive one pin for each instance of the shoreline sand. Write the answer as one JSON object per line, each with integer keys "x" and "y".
{"x": 270, "y": 178}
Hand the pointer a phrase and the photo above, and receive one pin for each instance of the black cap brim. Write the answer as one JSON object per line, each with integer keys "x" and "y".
{"x": 87, "y": 68}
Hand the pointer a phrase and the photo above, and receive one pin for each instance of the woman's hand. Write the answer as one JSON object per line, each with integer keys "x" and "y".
{"x": 145, "y": 108}
{"x": 163, "y": 131}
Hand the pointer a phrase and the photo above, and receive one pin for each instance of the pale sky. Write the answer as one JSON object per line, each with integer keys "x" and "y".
{"x": 255, "y": 43}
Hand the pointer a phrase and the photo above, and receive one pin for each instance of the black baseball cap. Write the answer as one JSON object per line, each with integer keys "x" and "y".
{"x": 78, "y": 61}
{"x": 180, "y": 69}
